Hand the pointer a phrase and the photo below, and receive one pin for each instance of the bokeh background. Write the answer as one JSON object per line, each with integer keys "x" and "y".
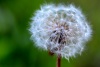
{"x": 16, "y": 48}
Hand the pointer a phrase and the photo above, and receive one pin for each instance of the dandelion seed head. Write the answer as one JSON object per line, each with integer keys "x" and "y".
{"x": 60, "y": 29}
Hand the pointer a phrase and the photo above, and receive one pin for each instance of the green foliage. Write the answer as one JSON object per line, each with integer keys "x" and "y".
{"x": 16, "y": 48}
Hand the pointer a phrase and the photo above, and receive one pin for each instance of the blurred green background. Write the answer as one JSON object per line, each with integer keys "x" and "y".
{"x": 16, "y": 48}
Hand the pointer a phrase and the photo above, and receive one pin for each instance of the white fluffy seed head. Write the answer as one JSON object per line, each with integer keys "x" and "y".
{"x": 60, "y": 29}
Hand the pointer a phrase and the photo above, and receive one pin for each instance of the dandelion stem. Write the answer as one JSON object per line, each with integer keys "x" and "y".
{"x": 59, "y": 61}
